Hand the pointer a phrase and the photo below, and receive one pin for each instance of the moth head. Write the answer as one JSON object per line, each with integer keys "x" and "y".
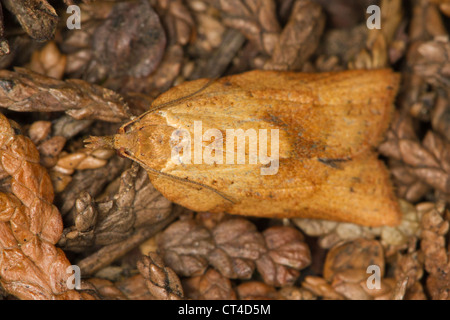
{"x": 124, "y": 142}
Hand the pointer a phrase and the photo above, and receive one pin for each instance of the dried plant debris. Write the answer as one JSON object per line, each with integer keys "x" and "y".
{"x": 37, "y": 17}
{"x": 299, "y": 38}
{"x": 427, "y": 160}
{"x": 26, "y": 91}
{"x": 209, "y": 286}
{"x": 235, "y": 248}
{"x": 380, "y": 45}
{"x": 130, "y": 41}
{"x": 48, "y": 61}
{"x": 345, "y": 272}
{"x": 435, "y": 250}
{"x": 31, "y": 266}
{"x": 330, "y": 232}
{"x": 61, "y": 201}
{"x": 135, "y": 204}
{"x": 161, "y": 281}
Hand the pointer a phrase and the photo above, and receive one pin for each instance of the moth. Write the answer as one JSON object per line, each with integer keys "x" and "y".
{"x": 314, "y": 156}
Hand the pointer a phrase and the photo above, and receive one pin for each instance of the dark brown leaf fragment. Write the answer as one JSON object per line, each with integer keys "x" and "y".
{"x": 37, "y": 17}
{"x": 161, "y": 281}
{"x": 26, "y": 91}
{"x": 131, "y": 41}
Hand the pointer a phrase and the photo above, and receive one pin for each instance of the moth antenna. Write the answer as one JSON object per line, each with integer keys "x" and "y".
{"x": 185, "y": 180}
{"x": 169, "y": 103}
{"x": 105, "y": 142}
{"x": 173, "y": 102}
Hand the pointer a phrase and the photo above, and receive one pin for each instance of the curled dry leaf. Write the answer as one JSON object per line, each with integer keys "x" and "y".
{"x": 209, "y": 286}
{"x": 110, "y": 253}
{"x": 31, "y": 266}
{"x": 50, "y": 149}
{"x": 26, "y": 91}
{"x": 161, "y": 281}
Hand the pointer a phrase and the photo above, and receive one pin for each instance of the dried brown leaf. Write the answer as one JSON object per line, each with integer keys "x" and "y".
{"x": 31, "y": 266}
{"x": 232, "y": 246}
{"x": 256, "y": 19}
{"x": 26, "y": 91}
{"x": 330, "y": 232}
{"x": 434, "y": 64}
{"x": 428, "y": 160}
{"x": 321, "y": 288}
{"x": 299, "y": 38}
{"x": 376, "y": 53}
{"x": 296, "y": 293}
{"x": 161, "y": 281}
{"x": 433, "y": 245}
{"x": 238, "y": 244}
{"x": 357, "y": 254}
{"x": 287, "y": 254}
{"x": 48, "y": 61}
{"x": 255, "y": 290}
{"x": 37, "y": 17}
{"x": 135, "y": 204}
{"x": 130, "y": 41}
{"x": 184, "y": 245}
{"x": 209, "y": 286}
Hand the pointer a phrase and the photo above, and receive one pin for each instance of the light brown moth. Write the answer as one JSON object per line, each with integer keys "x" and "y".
{"x": 326, "y": 126}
